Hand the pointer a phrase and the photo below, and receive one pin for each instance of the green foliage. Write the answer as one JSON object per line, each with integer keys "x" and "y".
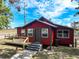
{"x": 5, "y": 16}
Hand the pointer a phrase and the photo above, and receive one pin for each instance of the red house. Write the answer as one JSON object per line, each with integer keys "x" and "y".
{"x": 44, "y": 31}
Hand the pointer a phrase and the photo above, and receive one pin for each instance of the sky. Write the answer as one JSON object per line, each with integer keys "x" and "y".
{"x": 57, "y": 11}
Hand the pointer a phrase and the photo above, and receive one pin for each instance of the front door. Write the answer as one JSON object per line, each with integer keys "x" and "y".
{"x": 37, "y": 34}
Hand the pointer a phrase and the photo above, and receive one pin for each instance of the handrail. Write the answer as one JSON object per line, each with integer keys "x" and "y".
{"x": 26, "y": 40}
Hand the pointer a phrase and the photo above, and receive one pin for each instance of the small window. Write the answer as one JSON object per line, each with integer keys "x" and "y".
{"x": 62, "y": 34}
{"x": 29, "y": 32}
{"x": 23, "y": 31}
{"x": 59, "y": 34}
{"x": 44, "y": 32}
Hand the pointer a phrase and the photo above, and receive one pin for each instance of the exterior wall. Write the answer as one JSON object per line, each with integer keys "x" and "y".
{"x": 45, "y": 41}
{"x": 66, "y": 41}
{"x": 19, "y": 31}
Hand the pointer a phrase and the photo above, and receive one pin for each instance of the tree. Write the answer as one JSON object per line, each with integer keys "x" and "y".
{"x": 5, "y": 15}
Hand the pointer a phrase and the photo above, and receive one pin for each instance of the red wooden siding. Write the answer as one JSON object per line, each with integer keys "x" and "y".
{"x": 45, "y": 41}
{"x": 66, "y": 40}
{"x": 19, "y": 31}
{"x": 53, "y": 30}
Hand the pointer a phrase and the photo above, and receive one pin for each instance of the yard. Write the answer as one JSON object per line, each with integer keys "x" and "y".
{"x": 59, "y": 53}
{"x": 56, "y": 53}
{"x": 6, "y": 52}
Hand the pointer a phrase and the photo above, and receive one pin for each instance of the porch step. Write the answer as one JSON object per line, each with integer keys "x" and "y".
{"x": 35, "y": 47}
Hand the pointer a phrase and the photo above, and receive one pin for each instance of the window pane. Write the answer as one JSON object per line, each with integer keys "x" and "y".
{"x": 44, "y": 35}
{"x": 30, "y": 32}
{"x": 65, "y": 33}
{"x": 44, "y": 32}
{"x": 60, "y": 35}
{"x": 23, "y": 32}
{"x": 59, "y": 31}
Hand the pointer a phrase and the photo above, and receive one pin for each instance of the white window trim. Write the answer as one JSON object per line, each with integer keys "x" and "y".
{"x": 32, "y": 32}
{"x": 42, "y": 33}
{"x": 63, "y": 33}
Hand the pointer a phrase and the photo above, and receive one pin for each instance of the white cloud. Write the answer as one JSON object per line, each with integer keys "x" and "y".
{"x": 56, "y": 21}
{"x": 57, "y": 7}
{"x": 49, "y": 8}
{"x": 73, "y": 4}
{"x": 69, "y": 25}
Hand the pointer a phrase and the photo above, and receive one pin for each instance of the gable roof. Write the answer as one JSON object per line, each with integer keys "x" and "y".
{"x": 40, "y": 22}
{"x": 47, "y": 22}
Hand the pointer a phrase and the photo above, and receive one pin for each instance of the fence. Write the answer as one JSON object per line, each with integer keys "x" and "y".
{"x": 76, "y": 43}
{"x": 5, "y": 33}
{"x": 3, "y": 36}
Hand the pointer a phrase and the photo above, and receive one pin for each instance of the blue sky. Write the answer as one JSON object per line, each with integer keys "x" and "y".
{"x": 59, "y": 11}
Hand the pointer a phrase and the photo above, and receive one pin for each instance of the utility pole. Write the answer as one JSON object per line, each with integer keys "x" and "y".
{"x": 24, "y": 13}
{"x": 18, "y": 7}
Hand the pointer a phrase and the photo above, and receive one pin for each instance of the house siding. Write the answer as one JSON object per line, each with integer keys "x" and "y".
{"x": 45, "y": 41}
{"x": 19, "y": 31}
{"x": 68, "y": 40}
{"x": 53, "y": 31}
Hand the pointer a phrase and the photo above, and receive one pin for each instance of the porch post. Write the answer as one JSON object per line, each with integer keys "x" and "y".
{"x": 50, "y": 32}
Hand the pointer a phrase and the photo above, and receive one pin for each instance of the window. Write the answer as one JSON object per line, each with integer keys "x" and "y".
{"x": 44, "y": 32}
{"x": 23, "y": 31}
{"x": 62, "y": 34}
{"x": 65, "y": 33}
{"x": 30, "y": 32}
